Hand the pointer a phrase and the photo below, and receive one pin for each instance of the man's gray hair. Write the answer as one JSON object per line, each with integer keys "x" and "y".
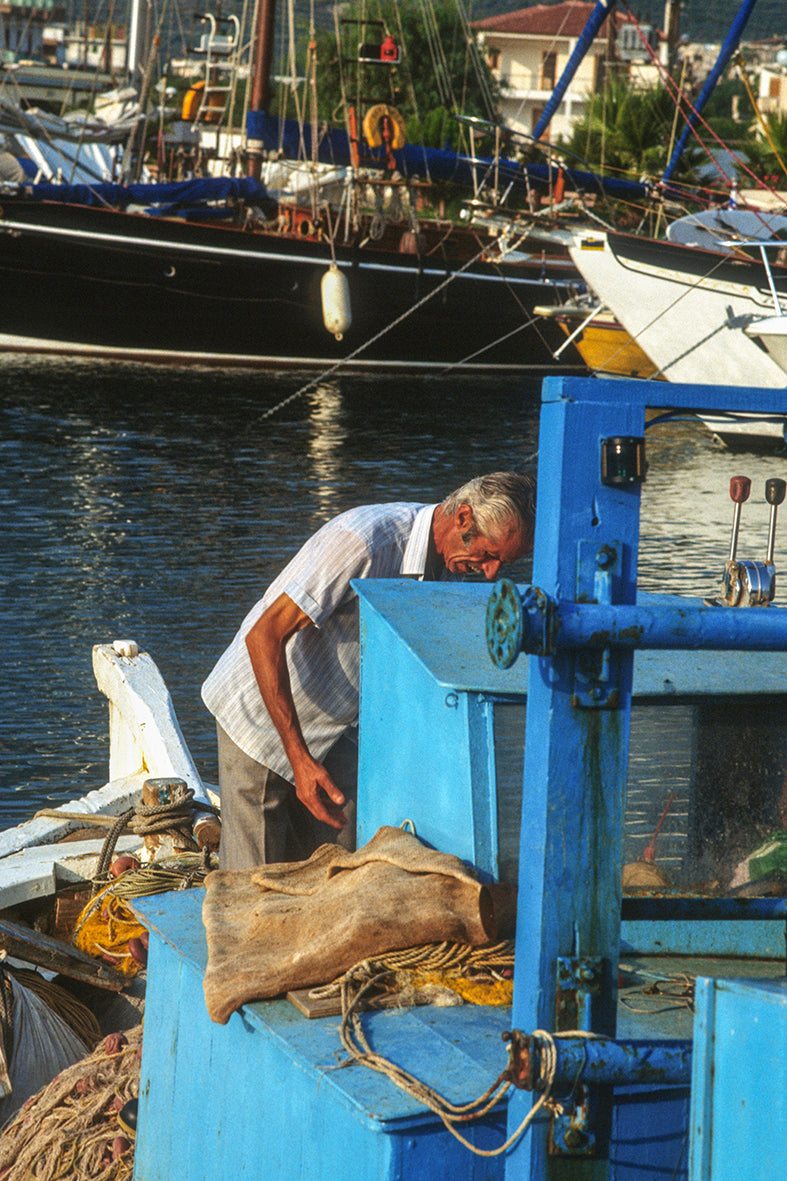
{"x": 495, "y": 499}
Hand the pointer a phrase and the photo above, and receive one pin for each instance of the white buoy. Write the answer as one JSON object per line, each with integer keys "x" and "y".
{"x": 336, "y": 311}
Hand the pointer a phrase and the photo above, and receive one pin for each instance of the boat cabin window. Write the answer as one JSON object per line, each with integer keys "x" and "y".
{"x": 715, "y": 769}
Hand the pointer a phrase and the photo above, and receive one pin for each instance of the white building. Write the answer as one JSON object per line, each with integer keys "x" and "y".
{"x": 527, "y": 51}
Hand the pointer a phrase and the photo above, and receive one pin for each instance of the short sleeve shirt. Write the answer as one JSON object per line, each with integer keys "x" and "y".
{"x": 375, "y": 541}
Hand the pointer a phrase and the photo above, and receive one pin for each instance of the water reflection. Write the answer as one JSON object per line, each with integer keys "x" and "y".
{"x": 157, "y": 504}
{"x": 327, "y": 439}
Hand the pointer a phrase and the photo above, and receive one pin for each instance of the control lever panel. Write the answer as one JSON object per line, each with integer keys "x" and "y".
{"x": 749, "y": 583}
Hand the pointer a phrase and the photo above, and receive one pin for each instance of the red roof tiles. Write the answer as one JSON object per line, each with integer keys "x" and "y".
{"x": 553, "y": 20}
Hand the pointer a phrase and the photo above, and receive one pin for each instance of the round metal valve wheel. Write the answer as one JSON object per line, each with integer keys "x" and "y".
{"x": 504, "y": 624}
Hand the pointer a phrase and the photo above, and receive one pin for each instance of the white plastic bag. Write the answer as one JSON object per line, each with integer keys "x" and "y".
{"x": 43, "y": 1045}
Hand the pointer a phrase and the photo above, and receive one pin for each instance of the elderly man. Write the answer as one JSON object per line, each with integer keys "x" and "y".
{"x": 285, "y": 693}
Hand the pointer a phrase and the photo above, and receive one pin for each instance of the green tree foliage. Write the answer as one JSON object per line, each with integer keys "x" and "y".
{"x": 626, "y": 131}
{"x": 439, "y": 74}
{"x": 767, "y": 154}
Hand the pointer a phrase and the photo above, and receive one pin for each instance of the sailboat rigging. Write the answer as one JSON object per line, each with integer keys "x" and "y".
{"x": 221, "y": 271}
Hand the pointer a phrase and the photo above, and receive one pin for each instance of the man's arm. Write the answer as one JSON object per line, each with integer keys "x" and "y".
{"x": 266, "y": 643}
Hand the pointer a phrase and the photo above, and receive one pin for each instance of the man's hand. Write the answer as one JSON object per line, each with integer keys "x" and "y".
{"x": 317, "y": 791}
{"x": 266, "y": 642}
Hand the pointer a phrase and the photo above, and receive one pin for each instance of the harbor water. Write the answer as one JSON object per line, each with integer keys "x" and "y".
{"x": 155, "y": 504}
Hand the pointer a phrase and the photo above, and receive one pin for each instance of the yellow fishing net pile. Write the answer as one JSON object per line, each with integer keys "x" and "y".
{"x": 107, "y": 925}
{"x": 104, "y": 930}
{"x": 446, "y": 973}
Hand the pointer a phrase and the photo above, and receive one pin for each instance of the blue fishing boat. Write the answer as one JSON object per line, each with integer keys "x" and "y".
{"x": 544, "y": 735}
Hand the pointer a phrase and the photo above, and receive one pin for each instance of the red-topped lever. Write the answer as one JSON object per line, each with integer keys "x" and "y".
{"x": 750, "y": 584}
{"x": 774, "y": 494}
{"x": 740, "y": 487}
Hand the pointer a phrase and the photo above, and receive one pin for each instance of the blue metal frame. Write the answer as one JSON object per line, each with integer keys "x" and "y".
{"x": 575, "y": 753}
{"x": 276, "y": 1107}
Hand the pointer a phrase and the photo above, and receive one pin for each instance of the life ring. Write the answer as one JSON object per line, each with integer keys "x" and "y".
{"x": 192, "y": 103}
{"x": 373, "y": 126}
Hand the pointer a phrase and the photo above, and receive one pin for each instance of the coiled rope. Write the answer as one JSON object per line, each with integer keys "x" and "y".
{"x": 357, "y": 988}
{"x": 181, "y": 872}
{"x": 172, "y": 819}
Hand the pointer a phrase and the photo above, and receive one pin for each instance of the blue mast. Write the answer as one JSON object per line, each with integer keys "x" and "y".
{"x": 727, "y": 50}
{"x": 595, "y": 21}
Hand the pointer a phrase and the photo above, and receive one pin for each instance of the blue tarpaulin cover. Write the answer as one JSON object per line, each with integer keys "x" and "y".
{"x": 170, "y": 195}
{"x": 333, "y": 147}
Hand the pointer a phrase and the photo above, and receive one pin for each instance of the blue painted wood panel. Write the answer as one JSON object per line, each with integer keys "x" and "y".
{"x": 739, "y": 1100}
{"x": 262, "y": 1096}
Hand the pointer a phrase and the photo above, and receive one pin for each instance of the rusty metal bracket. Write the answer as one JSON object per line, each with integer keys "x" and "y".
{"x": 520, "y": 1060}
{"x": 579, "y": 980}
{"x": 596, "y": 671}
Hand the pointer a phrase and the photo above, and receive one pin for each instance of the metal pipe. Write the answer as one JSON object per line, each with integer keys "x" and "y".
{"x": 663, "y": 907}
{"x": 602, "y": 1060}
{"x": 708, "y": 628}
{"x": 525, "y": 619}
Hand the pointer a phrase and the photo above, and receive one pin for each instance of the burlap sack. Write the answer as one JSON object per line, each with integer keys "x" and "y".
{"x": 297, "y": 925}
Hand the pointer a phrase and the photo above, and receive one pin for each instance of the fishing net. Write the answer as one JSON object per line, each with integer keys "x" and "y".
{"x": 106, "y": 930}
{"x": 70, "y": 1130}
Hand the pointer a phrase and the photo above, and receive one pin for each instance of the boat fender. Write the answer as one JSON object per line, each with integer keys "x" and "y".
{"x": 377, "y": 130}
{"x": 336, "y": 311}
{"x": 138, "y": 949}
{"x": 122, "y": 864}
{"x": 191, "y": 101}
{"x": 411, "y": 242}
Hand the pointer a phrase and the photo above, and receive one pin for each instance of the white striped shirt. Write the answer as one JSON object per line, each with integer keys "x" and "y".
{"x": 375, "y": 541}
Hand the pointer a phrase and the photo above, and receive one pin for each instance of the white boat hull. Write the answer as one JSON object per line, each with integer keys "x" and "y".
{"x": 145, "y": 742}
{"x": 691, "y": 311}
{"x": 772, "y": 333}
{"x": 688, "y": 321}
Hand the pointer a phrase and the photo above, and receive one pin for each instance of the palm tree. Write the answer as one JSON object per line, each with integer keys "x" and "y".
{"x": 625, "y": 130}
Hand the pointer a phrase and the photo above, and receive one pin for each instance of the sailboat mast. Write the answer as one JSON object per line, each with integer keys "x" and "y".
{"x": 263, "y": 56}
{"x": 726, "y": 52}
{"x": 596, "y": 19}
{"x": 262, "y": 61}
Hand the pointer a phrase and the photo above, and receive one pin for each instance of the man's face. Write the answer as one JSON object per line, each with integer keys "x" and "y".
{"x": 466, "y": 551}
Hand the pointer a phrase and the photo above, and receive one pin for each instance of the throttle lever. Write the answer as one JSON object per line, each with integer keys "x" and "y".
{"x": 740, "y": 487}
{"x": 774, "y": 494}
{"x": 750, "y": 583}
